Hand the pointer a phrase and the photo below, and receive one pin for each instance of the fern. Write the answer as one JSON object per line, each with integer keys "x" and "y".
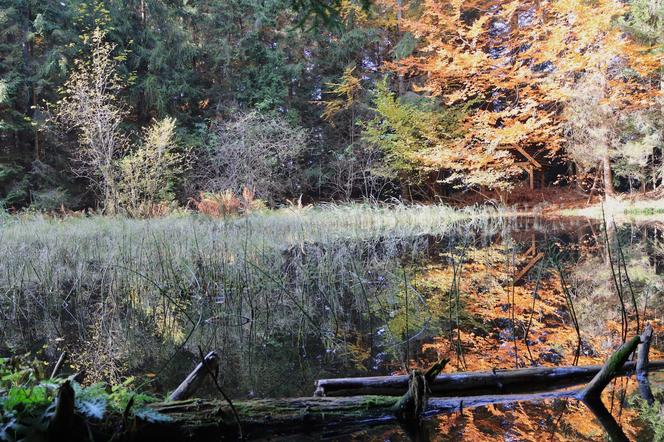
{"x": 19, "y": 398}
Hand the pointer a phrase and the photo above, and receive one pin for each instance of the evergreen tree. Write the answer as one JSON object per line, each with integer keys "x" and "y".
{"x": 36, "y": 47}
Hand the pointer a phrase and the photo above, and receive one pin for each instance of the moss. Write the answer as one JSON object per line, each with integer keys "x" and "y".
{"x": 379, "y": 401}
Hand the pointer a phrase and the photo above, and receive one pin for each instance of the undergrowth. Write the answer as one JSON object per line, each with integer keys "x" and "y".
{"x": 652, "y": 415}
{"x": 28, "y": 400}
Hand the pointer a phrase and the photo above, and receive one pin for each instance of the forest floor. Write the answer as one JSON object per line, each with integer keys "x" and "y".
{"x": 523, "y": 199}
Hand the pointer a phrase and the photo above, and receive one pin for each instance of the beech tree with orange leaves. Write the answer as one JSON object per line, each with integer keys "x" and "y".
{"x": 523, "y": 63}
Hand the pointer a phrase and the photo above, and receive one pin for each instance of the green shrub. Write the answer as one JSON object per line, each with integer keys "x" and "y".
{"x": 27, "y": 399}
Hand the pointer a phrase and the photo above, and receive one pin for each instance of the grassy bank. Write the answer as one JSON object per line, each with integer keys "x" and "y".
{"x": 622, "y": 210}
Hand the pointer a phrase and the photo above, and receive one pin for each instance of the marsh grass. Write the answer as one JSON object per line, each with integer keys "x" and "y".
{"x": 622, "y": 209}
{"x": 272, "y": 290}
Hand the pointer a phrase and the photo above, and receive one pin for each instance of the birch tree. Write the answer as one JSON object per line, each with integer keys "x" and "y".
{"x": 90, "y": 107}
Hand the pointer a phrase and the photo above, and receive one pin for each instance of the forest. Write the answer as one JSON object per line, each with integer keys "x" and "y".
{"x": 372, "y": 220}
{"x": 136, "y": 106}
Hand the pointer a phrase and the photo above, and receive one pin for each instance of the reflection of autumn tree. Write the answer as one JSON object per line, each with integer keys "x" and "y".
{"x": 487, "y": 335}
{"x": 594, "y": 286}
{"x": 556, "y": 420}
{"x": 497, "y": 322}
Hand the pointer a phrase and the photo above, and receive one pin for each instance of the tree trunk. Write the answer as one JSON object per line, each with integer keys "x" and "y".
{"x": 402, "y": 88}
{"x": 642, "y": 366}
{"x": 608, "y": 176}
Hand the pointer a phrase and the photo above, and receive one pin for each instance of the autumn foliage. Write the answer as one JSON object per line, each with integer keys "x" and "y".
{"x": 518, "y": 65}
{"x": 221, "y": 204}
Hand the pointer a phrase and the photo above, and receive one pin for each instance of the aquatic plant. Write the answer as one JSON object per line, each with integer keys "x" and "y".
{"x": 118, "y": 291}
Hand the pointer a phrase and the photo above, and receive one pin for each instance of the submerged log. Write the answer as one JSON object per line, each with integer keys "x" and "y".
{"x": 523, "y": 380}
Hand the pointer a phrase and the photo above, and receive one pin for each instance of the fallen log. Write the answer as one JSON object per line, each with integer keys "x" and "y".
{"x": 591, "y": 395}
{"x": 642, "y": 365}
{"x": 193, "y": 381}
{"x": 203, "y": 420}
{"x": 212, "y": 420}
{"x": 523, "y": 380}
{"x": 59, "y": 364}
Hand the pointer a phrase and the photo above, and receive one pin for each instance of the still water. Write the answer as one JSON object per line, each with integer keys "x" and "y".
{"x": 507, "y": 293}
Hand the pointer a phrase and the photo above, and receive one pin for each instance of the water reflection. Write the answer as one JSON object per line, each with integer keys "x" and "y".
{"x": 508, "y": 293}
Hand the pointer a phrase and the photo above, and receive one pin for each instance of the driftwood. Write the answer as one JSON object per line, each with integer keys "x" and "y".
{"x": 642, "y": 366}
{"x": 59, "y": 364}
{"x": 524, "y": 380}
{"x": 194, "y": 380}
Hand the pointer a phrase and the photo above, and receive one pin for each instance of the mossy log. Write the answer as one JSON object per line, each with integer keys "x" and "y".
{"x": 203, "y": 420}
{"x": 212, "y": 420}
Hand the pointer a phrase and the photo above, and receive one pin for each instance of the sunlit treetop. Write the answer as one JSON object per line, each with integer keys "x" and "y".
{"x": 521, "y": 61}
